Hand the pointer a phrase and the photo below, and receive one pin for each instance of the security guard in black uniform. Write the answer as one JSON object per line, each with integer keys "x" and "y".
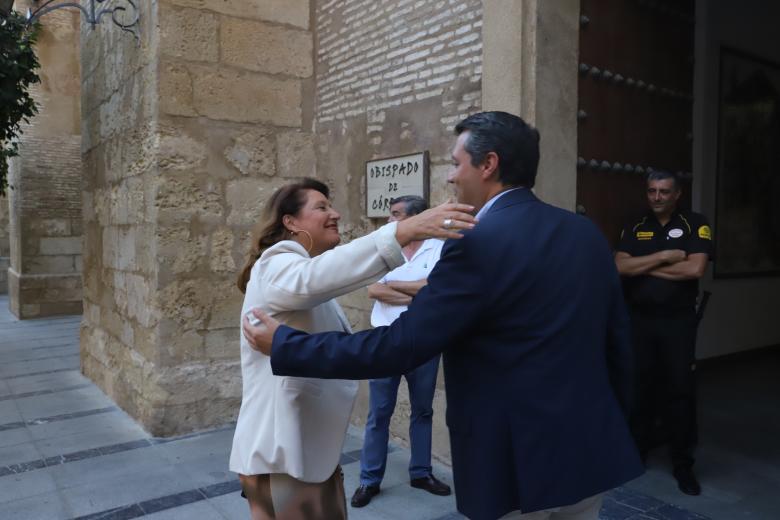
{"x": 661, "y": 258}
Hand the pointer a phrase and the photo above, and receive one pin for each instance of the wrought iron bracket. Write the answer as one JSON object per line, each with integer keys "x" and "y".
{"x": 124, "y": 13}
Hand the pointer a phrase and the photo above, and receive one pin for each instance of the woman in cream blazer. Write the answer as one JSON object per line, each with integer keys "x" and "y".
{"x": 290, "y": 430}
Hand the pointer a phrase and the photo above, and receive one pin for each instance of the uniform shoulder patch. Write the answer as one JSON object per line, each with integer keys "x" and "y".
{"x": 705, "y": 232}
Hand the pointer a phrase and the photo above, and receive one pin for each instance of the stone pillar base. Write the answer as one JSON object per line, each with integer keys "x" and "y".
{"x": 4, "y": 264}
{"x": 39, "y": 295}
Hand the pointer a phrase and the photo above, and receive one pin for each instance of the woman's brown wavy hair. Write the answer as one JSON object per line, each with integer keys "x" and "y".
{"x": 287, "y": 200}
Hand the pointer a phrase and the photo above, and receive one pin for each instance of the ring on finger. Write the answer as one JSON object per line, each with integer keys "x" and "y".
{"x": 447, "y": 223}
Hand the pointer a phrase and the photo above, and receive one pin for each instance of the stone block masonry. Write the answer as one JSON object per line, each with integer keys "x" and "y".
{"x": 186, "y": 136}
{"x": 44, "y": 243}
{"x": 5, "y": 245}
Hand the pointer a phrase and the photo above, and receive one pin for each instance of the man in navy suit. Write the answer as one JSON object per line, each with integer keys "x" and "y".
{"x": 528, "y": 312}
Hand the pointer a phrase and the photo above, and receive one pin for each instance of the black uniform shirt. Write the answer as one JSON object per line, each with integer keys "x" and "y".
{"x": 685, "y": 230}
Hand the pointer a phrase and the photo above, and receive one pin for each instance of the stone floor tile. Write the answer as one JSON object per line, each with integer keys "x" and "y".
{"x": 65, "y": 444}
{"x": 69, "y": 401}
{"x": 670, "y": 512}
{"x": 33, "y": 339}
{"x": 232, "y": 506}
{"x": 354, "y": 440}
{"x": 117, "y": 467}
{"x": 124, "y": 489}
{"x": 20, "y": 453}
{"x": 41, "y": 365}
{"x": 23, "y": 485}
{"x": 611, "y": 510}
{"x": 204, "y": 443}
{"x": 206, "y": 470}
{"x": 9, "y": 413}
{"x": 634, "y": 499}
{"x": 115, "y": 420}
{"x": 50, "y": 381}
{"x": 47, "y": 506}
{"x": 452, "y": 516}
{"x": 9, "y": 438}
{"x": 26, "y": 354}
{"x": 203, "y": 510}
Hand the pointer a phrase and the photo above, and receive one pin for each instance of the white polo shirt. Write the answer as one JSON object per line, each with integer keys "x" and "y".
{"x": 419, "y": 267}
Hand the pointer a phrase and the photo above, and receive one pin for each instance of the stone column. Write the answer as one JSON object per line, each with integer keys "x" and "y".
{"x": 530, "y": 54}
{"x": 186, "y": 136}
{"x": 45, "y": 183}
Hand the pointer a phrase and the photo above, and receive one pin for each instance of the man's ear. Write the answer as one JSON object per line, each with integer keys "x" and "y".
{"x": 489, "y": 165}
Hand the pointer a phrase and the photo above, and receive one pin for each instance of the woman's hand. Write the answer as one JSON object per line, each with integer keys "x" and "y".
{"x": 444, "y": 221}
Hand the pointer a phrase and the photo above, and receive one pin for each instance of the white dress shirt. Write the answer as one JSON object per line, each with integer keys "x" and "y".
{"x": 417, "y": 268}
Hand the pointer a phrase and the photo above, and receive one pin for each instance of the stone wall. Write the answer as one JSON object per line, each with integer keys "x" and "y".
{"x": 4, "y": 245}
{"x": 393, "y": 77}
{"x": 186, "y": 135}
{"x": 45, "y": 195}
{"x": 531, "y": 50}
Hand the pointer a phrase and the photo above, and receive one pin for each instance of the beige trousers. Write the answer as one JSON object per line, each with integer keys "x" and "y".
{"x": 587, "y": 509}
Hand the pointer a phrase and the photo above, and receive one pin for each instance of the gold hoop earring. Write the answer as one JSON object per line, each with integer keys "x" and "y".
{"x": 311, "y": 241}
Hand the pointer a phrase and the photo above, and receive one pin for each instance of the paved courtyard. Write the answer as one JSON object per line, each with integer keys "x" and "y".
{"x": 68, "y": 452}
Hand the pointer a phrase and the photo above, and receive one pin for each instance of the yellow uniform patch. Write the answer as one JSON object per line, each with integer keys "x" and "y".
{"x": 705, "y": 232}
{"x": 644, "y": 235}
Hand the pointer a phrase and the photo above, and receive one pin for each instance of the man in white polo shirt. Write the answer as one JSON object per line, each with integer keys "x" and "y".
{"x": 393, "y": 294}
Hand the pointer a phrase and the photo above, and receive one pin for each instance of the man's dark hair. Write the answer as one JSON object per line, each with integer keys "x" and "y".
{"x": 515, "y": 142}
{"x": 660, "y": 175}
{"x": 412, "y": 204}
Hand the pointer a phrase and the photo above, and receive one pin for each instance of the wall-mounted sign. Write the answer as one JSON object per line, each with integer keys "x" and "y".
{"x": 390, "y": 178}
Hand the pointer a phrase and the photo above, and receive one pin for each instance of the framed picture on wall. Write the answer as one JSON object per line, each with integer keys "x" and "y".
{"x": 747, "y": 214}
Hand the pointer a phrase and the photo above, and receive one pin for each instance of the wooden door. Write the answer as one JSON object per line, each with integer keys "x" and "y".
{"x": 635, "y": 104}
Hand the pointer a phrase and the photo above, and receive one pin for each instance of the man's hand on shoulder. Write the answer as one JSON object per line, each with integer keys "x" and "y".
{"x": 259, "y": 329}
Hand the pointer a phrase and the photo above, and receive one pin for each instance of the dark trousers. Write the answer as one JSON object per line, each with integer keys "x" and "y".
{"x": 665, "y": 357}
{"x": 382, "y": 397}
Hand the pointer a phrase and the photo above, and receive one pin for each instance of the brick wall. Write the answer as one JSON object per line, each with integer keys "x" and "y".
{"x": 393, "y": 77}
{"x": 378, "y": 55}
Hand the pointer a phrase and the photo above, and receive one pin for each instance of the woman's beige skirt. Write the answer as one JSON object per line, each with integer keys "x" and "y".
{"x": 283, "y": 497}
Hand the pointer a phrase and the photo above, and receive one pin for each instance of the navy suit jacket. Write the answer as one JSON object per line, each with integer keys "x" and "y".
{"x": 528, "y": 312}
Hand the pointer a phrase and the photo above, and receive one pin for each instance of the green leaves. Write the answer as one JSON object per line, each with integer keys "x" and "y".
{"x": 18, "y": 65}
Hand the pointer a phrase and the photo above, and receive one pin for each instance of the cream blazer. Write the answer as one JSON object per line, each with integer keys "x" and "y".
{"x": 297, "y": 425}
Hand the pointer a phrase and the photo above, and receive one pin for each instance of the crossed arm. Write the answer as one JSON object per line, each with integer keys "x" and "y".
{"x": 672, "y": 264}
{"x": 395, "y": 293}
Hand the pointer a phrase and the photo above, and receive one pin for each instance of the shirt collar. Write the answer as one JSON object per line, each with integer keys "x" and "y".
{"x": 492, "y": 201}
{"x": 427, "y": 244}
{"x": 673, "y": 218}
